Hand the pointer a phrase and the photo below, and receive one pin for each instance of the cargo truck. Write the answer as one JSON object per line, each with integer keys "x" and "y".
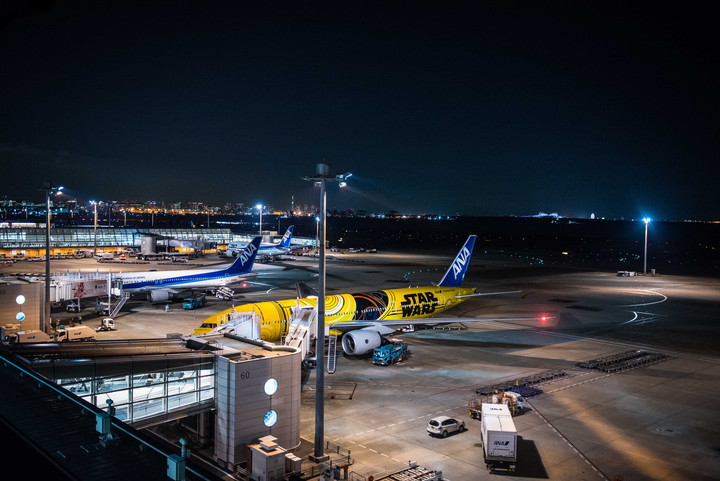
{"x": 77, "y": 333}
{"x": 499, "y": 437}
{"x": 32, "y": 335}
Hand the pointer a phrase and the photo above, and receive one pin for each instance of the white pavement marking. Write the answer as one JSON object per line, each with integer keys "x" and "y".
{"x": 648, "y": 291}
{"x": 567, "y": 441}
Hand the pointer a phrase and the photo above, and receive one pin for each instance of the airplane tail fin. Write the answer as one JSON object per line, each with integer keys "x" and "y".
{"x": 245, "y": 258}
{"x": 456, "y": 272}
{"x": 285, "y": 241}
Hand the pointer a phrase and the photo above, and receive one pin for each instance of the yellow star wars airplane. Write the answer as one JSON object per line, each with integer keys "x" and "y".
{"x": 363, "y": 318}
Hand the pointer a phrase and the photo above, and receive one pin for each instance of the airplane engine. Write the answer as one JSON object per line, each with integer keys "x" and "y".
{"x": 158, "y": 295}
{"x": 356, "y": 343}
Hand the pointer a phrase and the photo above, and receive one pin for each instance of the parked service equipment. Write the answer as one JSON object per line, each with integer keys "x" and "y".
{"x": 73, "y": 306}
{"x": 102, "y": 308}
{"x": 224, "y": 293}
{"x": 77, "y": 333}
{"x": 32, "y": 335}
{"x": 107, "y": 324}
{"x": 499, "y": 437}
{"x": 390, "y": 353}
{"x": 194, "y": 302}
{"x": 514, "y": 401}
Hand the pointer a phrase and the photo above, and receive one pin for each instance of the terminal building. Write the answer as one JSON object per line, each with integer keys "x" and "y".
{"x": 30, "y": 241}
{"x": 18, "y": 242}
{"x": 237, "y": 397}
{"x": 228, "y": 393}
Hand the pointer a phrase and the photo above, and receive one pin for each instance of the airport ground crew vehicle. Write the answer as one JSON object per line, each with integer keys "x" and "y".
{"x": 499, "y": 437}
{"x": 390, "y": 353}
{"x": 107, "y": 324}
{"x": 77, "y": 333}
{"x": 194, "y": 302}
{"x": 514, "y": 401}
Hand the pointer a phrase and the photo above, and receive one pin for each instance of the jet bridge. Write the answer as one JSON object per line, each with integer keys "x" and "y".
{"x": 301, "y": 335}
{"x": 79, "y": 285}
{"x": 241, "y": 324}
{"x": 301, "y": 329}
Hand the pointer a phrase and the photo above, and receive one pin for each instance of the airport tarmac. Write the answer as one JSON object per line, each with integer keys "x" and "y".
{"x": 658, "y": 421}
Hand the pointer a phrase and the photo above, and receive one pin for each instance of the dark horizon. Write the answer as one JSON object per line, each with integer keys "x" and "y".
{"x": 688, "y": 248}
{"x": 453, "y": 109}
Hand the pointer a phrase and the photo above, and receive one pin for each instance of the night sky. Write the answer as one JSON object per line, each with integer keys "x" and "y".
{"x": 517, "y": 108}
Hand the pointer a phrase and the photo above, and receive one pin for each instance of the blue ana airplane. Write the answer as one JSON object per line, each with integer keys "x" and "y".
{"x": 266, "y": 249}
{"x": 165, "y": 285}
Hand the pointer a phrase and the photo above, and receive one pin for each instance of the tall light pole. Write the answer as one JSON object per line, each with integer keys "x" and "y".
{"x": 94, "y": 227}
{"x": 260, "y": 208}
{"x": 647, "y": 221}
{"x": 322, "y": 175}
{"x": 317, "y": 234}
{"x": 49, "y": 190}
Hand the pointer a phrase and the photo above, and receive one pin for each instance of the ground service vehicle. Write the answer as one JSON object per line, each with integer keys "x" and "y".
{"x": 194, "y": 302}
{"x": 443, "y": 425}
{"x": 102, "y": 308}
{"x": 224, "y": 293}
{"x": 514, "y": 401}
{"x": 107, "y": 324}
{"x": 390, "y": 353}
{"x": 73, "y": 307}
{"x": 77, "y": 333}
{"x": 32, "y": 335}
{"x": 499, "y": 437}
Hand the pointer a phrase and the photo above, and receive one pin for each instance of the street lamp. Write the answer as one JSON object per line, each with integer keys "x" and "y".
{"x": 647, "y": 221}
{"x": 49, "y": 190}
{"x": 322, "y": 175}
{"x": 317, "y": 235}
{"x": 94, "y": 227}
{"x": 260, "y": 208}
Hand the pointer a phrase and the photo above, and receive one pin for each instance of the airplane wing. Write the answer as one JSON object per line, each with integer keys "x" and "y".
{"x": 487, "y": 294}
{"x": 303, "y": 290}
{"x": 389, "y": 326}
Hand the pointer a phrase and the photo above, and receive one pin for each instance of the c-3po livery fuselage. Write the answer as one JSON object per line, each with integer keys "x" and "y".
{"x": 364, "y": 314}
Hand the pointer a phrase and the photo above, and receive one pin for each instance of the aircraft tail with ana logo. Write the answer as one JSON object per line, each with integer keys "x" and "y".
{"x": 245, "y": 258}
{"x": 455, "y": 274}
{"x": 285, "y": 241}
